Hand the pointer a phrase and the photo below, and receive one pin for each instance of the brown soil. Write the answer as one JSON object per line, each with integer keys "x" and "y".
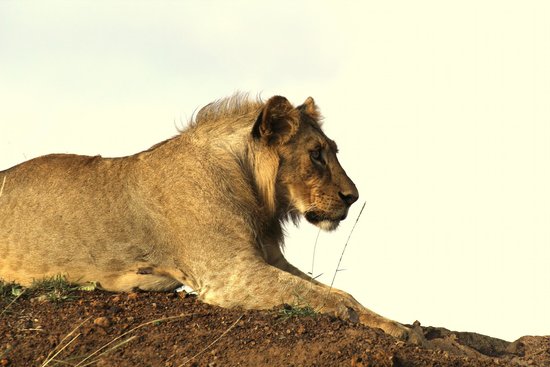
{"x": 105, "y": 329}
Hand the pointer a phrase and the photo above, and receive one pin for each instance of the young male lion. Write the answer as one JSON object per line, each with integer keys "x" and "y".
{"x": 204, "y": 209}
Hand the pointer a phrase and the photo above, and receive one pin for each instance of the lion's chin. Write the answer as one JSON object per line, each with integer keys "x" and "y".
{"x": 328, "y": 225}
{"x": 321, "y": 221}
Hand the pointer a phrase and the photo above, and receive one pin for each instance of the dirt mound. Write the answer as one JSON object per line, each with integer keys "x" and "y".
{"x": 160, "y": 329}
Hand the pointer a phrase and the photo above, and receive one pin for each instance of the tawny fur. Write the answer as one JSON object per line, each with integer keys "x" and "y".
{"x": 204, "y": 208}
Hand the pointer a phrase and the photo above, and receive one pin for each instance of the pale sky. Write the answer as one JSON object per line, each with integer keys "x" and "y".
{"x": 441, "y": 111}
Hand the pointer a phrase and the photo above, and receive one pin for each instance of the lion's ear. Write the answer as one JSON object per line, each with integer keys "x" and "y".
{"x": 277, "y": 122}
{"x": 310, "y": 108}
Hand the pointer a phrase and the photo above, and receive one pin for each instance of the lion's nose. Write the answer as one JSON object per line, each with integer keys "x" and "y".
{"x": 348, "y": 198}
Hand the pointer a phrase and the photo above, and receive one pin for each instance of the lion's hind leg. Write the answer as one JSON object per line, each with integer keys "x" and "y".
{"x": 142, "y": 279}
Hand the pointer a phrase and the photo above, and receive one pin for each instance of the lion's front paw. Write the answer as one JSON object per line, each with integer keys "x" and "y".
{"x": 394, "y": 329}
{"x": 401, "y": 332}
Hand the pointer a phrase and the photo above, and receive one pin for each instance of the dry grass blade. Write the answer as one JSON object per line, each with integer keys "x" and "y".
{"x": 95, "y": 360}
{"x": 81, "y": 363}
{"x": 212, "y": 343}
{"x": 313, "y": 257}
{"x": 12, "y": 302}
{"x": 345, "y": 246}
{"x": 51, "y": 357}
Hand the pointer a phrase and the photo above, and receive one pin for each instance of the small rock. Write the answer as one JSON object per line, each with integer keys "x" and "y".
{"x": 4, "y": 362}
{"x": 102, "y": 321}
{"x": 133, "y": 296}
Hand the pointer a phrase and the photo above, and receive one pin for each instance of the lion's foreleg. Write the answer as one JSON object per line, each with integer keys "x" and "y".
{"x": 261, "y": 286}
{"x": 278, "y": 260}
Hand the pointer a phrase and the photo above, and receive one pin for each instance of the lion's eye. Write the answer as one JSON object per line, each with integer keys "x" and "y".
{"x": 316, "y": 156}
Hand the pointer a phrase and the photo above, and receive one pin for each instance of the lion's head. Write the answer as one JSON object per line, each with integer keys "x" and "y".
{"x": 309, "y": 179}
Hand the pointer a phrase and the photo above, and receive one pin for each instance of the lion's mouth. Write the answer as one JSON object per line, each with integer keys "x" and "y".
{"x": 315, "y": 217}
{"x": 323, "y": 220}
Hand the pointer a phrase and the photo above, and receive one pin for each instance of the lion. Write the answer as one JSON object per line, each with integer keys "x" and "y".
{"x": 205, "y": 208}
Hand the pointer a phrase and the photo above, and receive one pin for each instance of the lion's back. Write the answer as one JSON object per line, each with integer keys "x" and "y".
{"x": 56, "y": 209}
{"x": 51, "y": 182}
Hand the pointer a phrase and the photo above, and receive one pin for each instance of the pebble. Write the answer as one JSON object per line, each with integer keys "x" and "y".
{"x": 102, "y": 321}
